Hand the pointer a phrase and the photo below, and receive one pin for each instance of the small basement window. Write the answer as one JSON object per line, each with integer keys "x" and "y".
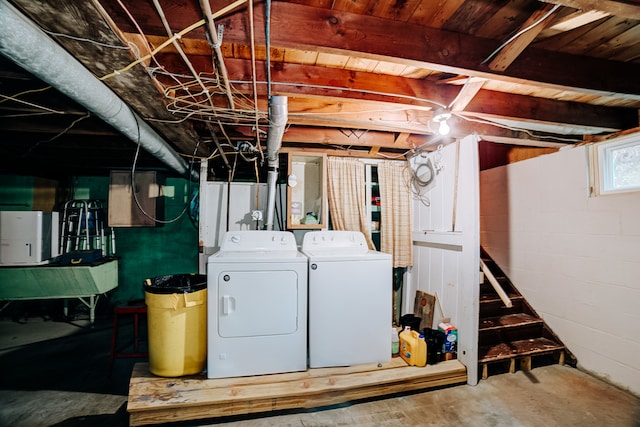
{"x": 615, "y": 166}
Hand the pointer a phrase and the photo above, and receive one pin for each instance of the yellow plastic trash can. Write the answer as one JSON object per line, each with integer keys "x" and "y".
{"x": 177, "y": 324}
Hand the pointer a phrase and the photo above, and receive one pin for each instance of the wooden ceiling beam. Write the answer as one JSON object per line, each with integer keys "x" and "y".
{"x": 424, "y": 94}
{"x": 341, "y": 137}
{"x": 370, "y": 37}
{"x": 619, "y": 8}
{"x": 468, "y": 91}
{"x": 570, "y": 22}
{"x": 344, "y": 153}
{"x": 528, "y": 32}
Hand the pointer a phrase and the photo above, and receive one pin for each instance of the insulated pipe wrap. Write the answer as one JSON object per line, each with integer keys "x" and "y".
{"x": 25, "y": 44}
{"x": 278, "y": 112}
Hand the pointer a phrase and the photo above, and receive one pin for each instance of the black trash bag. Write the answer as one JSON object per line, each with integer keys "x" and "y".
{"x": 412, "y": 321}
{"x": 435, "y": 342}
{"x": 176, "y": 284}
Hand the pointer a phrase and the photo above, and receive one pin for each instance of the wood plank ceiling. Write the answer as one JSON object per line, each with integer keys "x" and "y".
{"x": 363, "y": 77}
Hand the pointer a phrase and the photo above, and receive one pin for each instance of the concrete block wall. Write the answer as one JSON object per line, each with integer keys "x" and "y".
{"x": 575, "y": 258}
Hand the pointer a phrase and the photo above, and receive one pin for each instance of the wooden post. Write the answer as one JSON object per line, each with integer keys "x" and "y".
{"x": 525, "y": 363}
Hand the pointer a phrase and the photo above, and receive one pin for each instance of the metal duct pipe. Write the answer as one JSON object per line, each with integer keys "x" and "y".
{"x": 22, "y": 42}
{"x": 278, "y": 113}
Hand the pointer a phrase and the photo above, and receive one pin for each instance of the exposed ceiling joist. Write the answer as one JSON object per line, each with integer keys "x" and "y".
{"x": 523, "y": 38}
{"x": 366, "y": 76}
{"x": 381, "y": 39}
{"x": 620, "y": 8}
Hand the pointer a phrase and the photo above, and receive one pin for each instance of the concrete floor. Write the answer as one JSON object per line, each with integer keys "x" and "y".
{"x": 56, "y": 373}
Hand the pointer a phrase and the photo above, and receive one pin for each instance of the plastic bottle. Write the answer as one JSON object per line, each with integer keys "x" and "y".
{"x": 395, "y": 343}
{"x": 413, "y": 347}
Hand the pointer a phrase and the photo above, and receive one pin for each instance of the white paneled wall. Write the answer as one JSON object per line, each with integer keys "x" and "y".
{"x": 576, "y": 259}
{"x": 245, "y": 198}
{"x": 446, "y": 258}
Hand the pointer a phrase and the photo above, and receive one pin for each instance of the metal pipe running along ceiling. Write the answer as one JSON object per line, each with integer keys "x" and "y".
{"x": 22, "y": 42}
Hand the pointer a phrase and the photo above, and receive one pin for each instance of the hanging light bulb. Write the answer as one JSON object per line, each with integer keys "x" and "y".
{"x": 441, "y": 116}
{"x": 444, "y": 128}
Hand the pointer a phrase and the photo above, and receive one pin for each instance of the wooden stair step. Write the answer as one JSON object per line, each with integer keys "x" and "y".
{"x": 520, "y": 348}
{"x": 493, "y": 296}
{"x": 509, "y": 321}
{"x": 492, "y": 299}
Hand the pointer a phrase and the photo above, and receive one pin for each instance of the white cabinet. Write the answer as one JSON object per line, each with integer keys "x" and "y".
{"x": 306, "y": 195}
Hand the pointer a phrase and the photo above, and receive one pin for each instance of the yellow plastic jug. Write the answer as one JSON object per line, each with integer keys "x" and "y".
{"x": 413, "y": 348}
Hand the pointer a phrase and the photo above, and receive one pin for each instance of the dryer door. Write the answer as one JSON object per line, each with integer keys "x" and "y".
{"x": 257, "y": 303}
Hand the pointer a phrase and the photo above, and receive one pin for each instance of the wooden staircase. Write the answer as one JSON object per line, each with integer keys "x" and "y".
{"x": 513, "y": 334}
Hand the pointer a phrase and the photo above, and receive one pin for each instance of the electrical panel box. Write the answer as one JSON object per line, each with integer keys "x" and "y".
{"x": 28, "y": 237}
{"x": 137, "y": 207}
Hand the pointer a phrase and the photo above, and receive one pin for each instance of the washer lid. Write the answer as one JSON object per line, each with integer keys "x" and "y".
{"x": 258, "y": 256}
{"x": 344, "y": 254}
{"x": 258, "y": 241}
{"x": 351, "y": 241}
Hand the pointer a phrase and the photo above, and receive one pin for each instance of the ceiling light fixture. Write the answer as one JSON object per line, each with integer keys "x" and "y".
{"x": 441, "y": 116}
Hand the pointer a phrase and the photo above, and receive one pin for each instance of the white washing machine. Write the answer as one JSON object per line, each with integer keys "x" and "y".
{"x": 350, "y": 300}
{"x": 257, "y": 305}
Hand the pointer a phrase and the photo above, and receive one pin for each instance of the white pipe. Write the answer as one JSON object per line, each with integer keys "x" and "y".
{"x": 278, "y": 112}
{"x": 22, "y": 42}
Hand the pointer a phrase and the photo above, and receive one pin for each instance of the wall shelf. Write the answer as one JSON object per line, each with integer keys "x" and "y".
{"x": 306, "y": 191}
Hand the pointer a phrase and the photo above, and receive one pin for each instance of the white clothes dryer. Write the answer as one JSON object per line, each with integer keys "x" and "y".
{"x": 350, "y": 300}
{"x": 257, "y": 305}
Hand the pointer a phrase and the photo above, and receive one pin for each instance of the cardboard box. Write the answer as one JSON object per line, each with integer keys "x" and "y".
{"x": 450, "y": 347}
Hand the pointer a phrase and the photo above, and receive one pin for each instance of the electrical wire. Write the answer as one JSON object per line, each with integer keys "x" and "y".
{"x": 82, "y": 39}
{"x": 58, "y": 135}
{"x": 172, "y": 39}
{"x": 31, "y": 104}
{"x": 180, "y": 51}
{"x": 521, "y": 32}
{"x": 414, "y": 188}
{"x": 528, "y": 132}
{"x": 135, "y": 49}
{"x": 33, "y": 114}
{"x": 199, "y": 106}
{"x": 133, "y": 186}
{"x": 347, "y": 89}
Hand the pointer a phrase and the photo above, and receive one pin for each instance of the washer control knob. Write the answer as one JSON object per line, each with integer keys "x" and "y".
{"x": 314, "y": 266}
{"x": 226, "y": 278}
{"x": 235, "y": 238}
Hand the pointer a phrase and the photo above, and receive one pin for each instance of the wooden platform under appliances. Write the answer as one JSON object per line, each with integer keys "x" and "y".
{"x": 155, "y": 400}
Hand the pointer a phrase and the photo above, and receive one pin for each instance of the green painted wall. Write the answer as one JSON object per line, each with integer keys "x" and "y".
{"x": 154, "y": 251}
{"x": 143, "y": 252}
{"x": 16, "y": 193}
{"x": 146, "y": 252}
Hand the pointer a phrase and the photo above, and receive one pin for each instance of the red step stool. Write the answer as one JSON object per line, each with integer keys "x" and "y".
{"x": 135, "y": 310}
